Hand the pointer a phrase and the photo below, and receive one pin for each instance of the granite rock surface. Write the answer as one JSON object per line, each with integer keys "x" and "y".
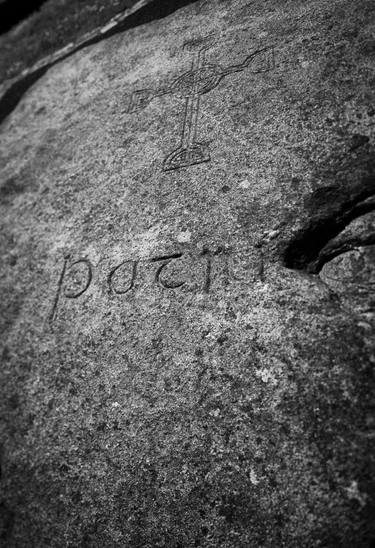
{"x": 187, "y": 285}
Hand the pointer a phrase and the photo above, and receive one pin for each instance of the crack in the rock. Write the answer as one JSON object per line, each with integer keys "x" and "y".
{"x": 332, "y": 209}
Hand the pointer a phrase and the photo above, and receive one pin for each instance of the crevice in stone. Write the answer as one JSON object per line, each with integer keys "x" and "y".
{"x": 146, "y": 14}
{"x": 331, "y": 209}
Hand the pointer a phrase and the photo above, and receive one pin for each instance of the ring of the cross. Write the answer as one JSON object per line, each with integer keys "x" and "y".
{"x": 198, "y": 81}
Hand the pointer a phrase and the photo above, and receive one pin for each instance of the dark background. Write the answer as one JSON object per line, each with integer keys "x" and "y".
{"x": 12, "y": 12}
{"x": 30, "y": 30}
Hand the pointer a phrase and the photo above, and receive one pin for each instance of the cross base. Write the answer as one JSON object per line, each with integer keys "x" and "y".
{"x": 196, "y": 153}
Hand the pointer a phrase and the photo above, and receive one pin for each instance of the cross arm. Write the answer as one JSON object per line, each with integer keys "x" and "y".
{"x": 261, "y": 60}
{"x": 141, "y": 98}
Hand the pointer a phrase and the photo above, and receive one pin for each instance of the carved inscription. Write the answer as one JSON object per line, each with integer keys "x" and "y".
{"x": 165, "y": 261}
{"x": 172, "y": 271}
{"x": 117, "y": 273}
{"x": 74, "y": 280}
{"x": 80, "y": 278}
{"x": 190, "y": 86}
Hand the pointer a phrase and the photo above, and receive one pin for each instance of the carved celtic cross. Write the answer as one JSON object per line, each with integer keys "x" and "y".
{"x": 199, "y": 80}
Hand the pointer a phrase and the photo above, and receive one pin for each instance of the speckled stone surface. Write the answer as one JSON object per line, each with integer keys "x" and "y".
{"x": 187, "y": 286}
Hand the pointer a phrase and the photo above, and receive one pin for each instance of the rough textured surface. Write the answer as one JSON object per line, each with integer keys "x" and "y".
{"x": 188, "y": 308}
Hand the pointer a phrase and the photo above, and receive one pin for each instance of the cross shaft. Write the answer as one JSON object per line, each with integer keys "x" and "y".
{"x": 202, "y": 78}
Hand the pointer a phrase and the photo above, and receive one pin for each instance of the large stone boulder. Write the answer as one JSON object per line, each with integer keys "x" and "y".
{"x": 187, "y": 291}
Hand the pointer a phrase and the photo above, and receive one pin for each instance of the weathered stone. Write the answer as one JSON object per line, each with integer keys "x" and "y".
{"x": 187, "y": 285}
